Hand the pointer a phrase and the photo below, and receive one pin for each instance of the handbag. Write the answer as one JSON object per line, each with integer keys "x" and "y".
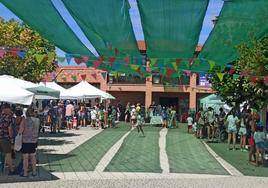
{"x": 18, "y": 142}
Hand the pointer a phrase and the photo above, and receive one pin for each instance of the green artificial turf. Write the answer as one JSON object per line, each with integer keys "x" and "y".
{"x": 137, "y": 153}
{"x": 239, "y": 160}
{"x": 186, "y": 154}
{"x": 86, "y": 156}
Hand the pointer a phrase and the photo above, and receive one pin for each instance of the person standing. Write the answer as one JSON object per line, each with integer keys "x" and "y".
{"x": 243, "y": 133}
{"x": 53, "y": 112}
{"x": 231, "y": 122}
{"x": 6, "y": 135}
{"x": 82, "y": 115}
{"x": 211, "y": 120}
{"x": 29, "y": 130}
{"x": 127, "y": 112}
{"x": 69, "y": 112}
{"x": 60, "y": 116}
{"x": 139, "y": 119}
{"x": 190, "y": 121}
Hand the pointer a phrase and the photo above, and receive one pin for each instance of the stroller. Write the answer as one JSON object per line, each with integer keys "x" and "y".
{"x": 221, "y": 133}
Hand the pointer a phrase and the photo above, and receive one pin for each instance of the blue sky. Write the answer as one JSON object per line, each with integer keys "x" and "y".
{"x": 213, "y": 10}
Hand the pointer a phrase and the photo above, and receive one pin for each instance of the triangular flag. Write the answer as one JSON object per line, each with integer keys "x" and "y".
{"x": 265, "y": 80}
{"x": 94, "y": 75}
{"x": 220, "y": 76}
{"x": 116, "y": 66}
{"x": 187, "y": 72}
{"x": 178, "y": 61}
{"x": 169, "y": 72}
{"x": 2, "y": 52}
{"x": 104, "y": 75}
{"x": 97, "y": 64}
{"x": 14, "y": 51}
{"x": 85, "y": 58}
{"x": 39, "y": 57}
{"x": 50, "y": 56}
{"x": 203, "y": 61}
{"x": 83, "y": 76}
{"x": 153, "y": 61}
{"x": 101, "y": 59}
{"x": 61, "y": 59}
{"x": 253, "y": 79}
{"x": 126, "y": 60}
{"x": 211, "y": 64}
{"x": 175, "y": 66}
{"x": 232, "y": 71}
{"x": 68, "y": 58}
{"x": 236, "y": 76}
{"x": 111, "y": 60}
{"x": 74, "y": 77}
{"x": 78, "y": 61}
{"x": 21, "y": 54}
{"x": 134, "y": 67}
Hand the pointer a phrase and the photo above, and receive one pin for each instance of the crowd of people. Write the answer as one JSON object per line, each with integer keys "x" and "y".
{"x": 244, "y": 125}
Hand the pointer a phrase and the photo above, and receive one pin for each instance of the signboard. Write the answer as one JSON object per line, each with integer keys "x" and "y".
{"x": 203, "y": 81}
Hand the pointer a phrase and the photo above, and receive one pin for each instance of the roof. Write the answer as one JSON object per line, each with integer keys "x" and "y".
{"x": 72, "y": 74}
{"x": 142, "y": 46}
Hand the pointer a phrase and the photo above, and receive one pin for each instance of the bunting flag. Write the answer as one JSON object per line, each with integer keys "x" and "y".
{"x": 104, "y": 75}
{"x": 175, "y": 66}
{"x": 97, "y": 64}
{"x": 169, "y": 72}
{"x": 68, "y": 58}
{"x": 21, "y": 54}
{"x": 153, "y": 61}
{"x": 178, "y": 61}
{"x": 220, "y": 76}
{"x": 50, "y": 56}
{"x": 134, "y": 67}
{"x": 126, "y": 60}
{"x": 2, "y": 52}
{"x": 111, "y": 60}
{"x": 83, "y": 76}
{"x": 94, "y": 75}
{"x": 253, "y": 79}
{"x": 78, "y": 61}
{"x": 74, "y": 77}
{"x": 187, "y": 72}
{"x": 39, "y": 57}
{"x": 61, "y": 59}
{"x": 211, "y": 64}
{"x": 232, "y": 71}
{"x": 236, "y": 76}
{"x": 14, "y": 51}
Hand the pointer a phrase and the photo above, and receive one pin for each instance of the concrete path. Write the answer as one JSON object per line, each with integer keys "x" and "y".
{"x": 231, "y": 169}
{"x": 163, "y": 154}
{"x": 70, "y": 140}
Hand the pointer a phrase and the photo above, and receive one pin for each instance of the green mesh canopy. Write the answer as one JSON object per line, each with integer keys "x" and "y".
{"x": 171, "y": 27}
{"x": 239, "y": 22}
{"x": 106, "y": 23}
{"x": 42, "y": 16}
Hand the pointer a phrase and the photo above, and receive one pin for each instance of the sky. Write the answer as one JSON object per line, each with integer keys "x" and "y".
{"x": 213, "y": 10}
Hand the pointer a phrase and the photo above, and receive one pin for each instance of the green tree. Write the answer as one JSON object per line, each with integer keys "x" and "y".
{"x": 16, "y": 35}
{"x": 254, "y": 61}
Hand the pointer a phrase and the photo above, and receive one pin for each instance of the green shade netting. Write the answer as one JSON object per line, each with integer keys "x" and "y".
{"x": 106, "y": 23}
{"x": 44, "y": 18}
{"x": 171, "y": 27}
{"x": 239, "y": 22}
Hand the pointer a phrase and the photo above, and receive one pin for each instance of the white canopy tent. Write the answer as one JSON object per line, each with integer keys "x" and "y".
{"x": 64, "y": 93}
{"x": 41, "y": 92}
{"x": 84, "y": 90}
{"x": 12, "y": 93}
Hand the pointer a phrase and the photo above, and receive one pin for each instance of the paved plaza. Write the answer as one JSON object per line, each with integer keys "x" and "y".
{"x": 121, "y": 157}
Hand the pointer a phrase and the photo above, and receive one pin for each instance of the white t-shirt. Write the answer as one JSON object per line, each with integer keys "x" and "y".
{"x": 93, "y": 114}
{"x": 232, "y": 121}
{"x": 190, "y": 120}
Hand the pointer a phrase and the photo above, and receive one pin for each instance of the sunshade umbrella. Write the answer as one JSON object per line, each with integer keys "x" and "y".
{"x": 12, "y": 93}
{"x": 42, "y": 92}
{"x": 54, "y": 85}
